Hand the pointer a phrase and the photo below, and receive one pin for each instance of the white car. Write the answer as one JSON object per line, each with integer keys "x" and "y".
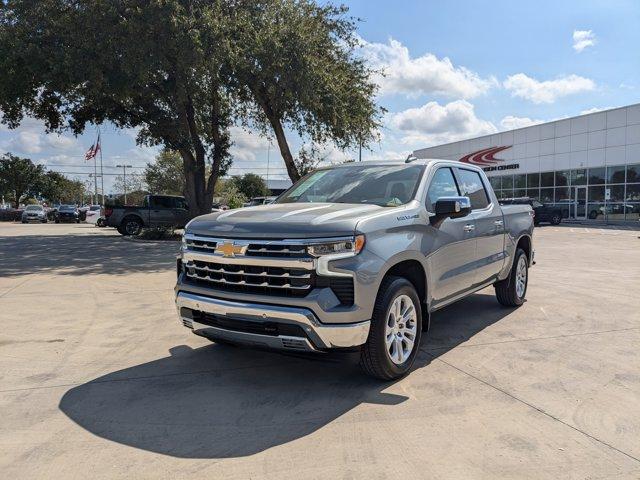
{"x": 93, "y": 214}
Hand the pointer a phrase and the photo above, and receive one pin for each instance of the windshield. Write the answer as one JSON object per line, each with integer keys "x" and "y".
{"x": 33, "y": 207}
{"x": 385, "y": 185}
{"x": 67, "y": 208}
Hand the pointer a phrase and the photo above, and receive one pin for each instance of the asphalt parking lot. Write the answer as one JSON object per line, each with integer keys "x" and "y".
{"x": 99, "y": 379}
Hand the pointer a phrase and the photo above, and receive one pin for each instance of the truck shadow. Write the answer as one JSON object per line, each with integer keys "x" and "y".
{"x": 220, "y": 401}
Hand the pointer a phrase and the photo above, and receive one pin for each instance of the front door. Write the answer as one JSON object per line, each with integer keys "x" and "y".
{"x": 580, "y": 203}
{"x": 161, "y": 211}
{"x": 450, "y": 246}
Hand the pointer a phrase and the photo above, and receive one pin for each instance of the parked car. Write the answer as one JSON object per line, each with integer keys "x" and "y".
{"x": 259, "y": 201}
{"x": 92, "y": 214}
{"x": 543, "y": 212}
{"x": 67, "y": 213}
{"x": 156, "y": 211}
{"x": 34, "y": 213}
{"x": 354, "y": 256}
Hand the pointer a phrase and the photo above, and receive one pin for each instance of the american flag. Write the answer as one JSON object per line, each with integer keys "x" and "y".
{"x": 93, "y": 150}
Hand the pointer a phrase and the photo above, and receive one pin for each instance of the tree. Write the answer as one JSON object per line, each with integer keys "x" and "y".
{"x": 133, "y": 188}
{"x": 251, "y": 185}
{"x": 165, "y": 176}
{"x": 18, "y": 177}
{"x": 161, "y": 67}
{"x": 57, "y": 188}
{"x": 296, "y": 65}
{"x": 229, "y": 194}
{"x": 308, "y": 159}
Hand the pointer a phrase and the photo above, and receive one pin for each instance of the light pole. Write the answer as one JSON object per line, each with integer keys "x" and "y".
{"x": 124, "y": 179}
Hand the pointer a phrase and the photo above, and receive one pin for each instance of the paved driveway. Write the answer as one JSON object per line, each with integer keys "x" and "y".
{"x": 98, "y": 379}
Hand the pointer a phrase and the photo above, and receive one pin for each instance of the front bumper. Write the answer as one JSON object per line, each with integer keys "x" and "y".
{"x": 313, "y": 335}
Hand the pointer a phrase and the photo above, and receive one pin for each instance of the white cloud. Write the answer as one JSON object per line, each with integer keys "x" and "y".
{"x": 422, "y": 75}
{"x": 247, "y": 144}
{"x": 583, "y": 39}
{"x": 30, "y": 138}
{"x": 434, "y": 123}
{"x": 595, "y": 110}
{"x": 548, "y": 91}
{"x": 511, "y": 122}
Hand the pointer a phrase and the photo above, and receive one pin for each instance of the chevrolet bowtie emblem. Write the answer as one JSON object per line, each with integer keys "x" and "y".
{"x": 230, "y": 249}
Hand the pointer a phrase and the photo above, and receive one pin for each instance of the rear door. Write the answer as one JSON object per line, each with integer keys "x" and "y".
{"x": 451, "y": 246}
{"x": 489, "y": 225}
{"x": 161, "y": 211}
{"x": 180, "y": 212}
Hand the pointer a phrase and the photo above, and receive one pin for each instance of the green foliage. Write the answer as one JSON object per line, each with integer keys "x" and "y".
{"x": 159, "y": 233}
{"x": 297, "y": 67}
{"x": 166, "y": 174}
{"x": 250, "y": 185}
{"x": 56, "y": 188}
{"x": 19, "y": 177}
{"x": 230, "y": 195}
{"x": 182, "y": 72}
{"x": 157, "y": 66}
{"x": 308, "y": 159}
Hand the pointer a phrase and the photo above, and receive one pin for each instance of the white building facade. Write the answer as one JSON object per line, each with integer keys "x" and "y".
{"x": 588, "y": 165}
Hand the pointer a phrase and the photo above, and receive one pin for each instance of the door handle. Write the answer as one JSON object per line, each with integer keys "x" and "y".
{"x": 498, "y": 223}
{"x": 469, "y": 227}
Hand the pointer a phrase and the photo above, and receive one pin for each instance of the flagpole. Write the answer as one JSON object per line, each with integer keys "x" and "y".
{"x": 95, "y": 178}
{"x": 101, "y": 174}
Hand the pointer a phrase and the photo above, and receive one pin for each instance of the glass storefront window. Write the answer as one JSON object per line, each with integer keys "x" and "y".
{"x": 546, "y": 195}
{"x": 616, "y": 211}
{"x": 520, "y": 192}
{"x": 633, "y": 192}
{"x": 632, "y": 212}
{"x": 520, "y": 181}
{"x": 595, "y": 210}
{"x": 562, "y": 179}
{"x": 533, "y": 192}
{"x": 533, "y": 180}
{"x": 495, "y": 182}
{"x": 578, "y": 177}
{"x": 546, "y": 179}
{"x": 507, "y": 182}
{"x": 596, "y": 194}
{"x": 615, "y": 174}
{"x": 563, "y": 193}
{"x": 596, "y": 176}
{"x": 617, "y": 193}
{"x": 633, "y": 173}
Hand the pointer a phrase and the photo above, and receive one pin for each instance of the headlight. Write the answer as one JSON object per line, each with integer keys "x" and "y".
{"x": 184, "y": 243}
{"x": 331, "y": 248}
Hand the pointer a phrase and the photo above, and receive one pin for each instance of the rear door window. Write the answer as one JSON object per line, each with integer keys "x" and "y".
{"x": 471, "y": 186}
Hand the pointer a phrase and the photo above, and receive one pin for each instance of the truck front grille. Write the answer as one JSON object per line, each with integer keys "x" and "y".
{"x": 274, "y": 268}
{"x": 252, "y": 279}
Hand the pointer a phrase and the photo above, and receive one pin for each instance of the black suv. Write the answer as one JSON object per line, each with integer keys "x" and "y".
{"x": 544, "y": 213}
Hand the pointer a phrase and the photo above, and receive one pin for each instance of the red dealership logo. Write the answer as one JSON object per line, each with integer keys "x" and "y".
{"x": 484, "y": 158}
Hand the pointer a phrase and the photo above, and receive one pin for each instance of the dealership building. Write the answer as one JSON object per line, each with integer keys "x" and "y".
{"x": 589, "y": 166}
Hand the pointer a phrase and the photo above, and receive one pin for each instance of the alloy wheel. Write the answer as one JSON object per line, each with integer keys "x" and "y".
{"x": 401, "y": 329}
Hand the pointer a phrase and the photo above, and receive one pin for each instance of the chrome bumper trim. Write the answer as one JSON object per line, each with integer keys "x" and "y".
{"x": 321, "y": 336}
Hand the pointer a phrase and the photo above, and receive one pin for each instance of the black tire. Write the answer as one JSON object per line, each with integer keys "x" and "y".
{"x": 593, "y": 214}
{"x": 130, "y": 226}
{"x": 507, "y": 289}
{"x": 57, "y": 221}
{"x": 375, "y": 358}
{"x": 556, "y": 218}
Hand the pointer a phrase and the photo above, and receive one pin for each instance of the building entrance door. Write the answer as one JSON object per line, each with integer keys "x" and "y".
{"x": 580, "y": 203}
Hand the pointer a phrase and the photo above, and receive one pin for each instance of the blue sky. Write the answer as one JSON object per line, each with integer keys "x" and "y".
{"x": 454, "y": 70}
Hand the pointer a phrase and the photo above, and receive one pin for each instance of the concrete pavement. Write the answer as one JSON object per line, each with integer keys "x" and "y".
{"x": 98, "y": 378}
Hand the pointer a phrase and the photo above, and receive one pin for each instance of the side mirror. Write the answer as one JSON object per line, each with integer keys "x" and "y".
{"x": 451, "y": 207}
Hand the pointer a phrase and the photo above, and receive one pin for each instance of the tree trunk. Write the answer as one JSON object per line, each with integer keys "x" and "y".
{"x": 292, "y": 170}
{"x": 194, "y": 185}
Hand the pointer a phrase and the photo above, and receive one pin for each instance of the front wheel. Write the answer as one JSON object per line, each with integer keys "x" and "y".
{"x": 511, "y": 291}
{"x": 556, "y": 219}
{"x": 396, "y": 327}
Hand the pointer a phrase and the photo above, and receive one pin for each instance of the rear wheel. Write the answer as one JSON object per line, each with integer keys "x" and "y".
{"x": 511, "y": 291}
{"x": 556, "y": 218}
{"x": 396, "y": 327}
{"x": 130, "y": 226}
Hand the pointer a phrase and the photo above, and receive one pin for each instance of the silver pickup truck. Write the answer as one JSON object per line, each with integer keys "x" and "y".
{"x": 353, "y": 256}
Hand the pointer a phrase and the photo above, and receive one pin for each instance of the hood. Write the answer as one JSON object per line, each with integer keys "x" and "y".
{"x": 284, "y": 221}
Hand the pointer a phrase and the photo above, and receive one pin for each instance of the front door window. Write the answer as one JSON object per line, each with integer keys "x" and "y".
{"x": 580, "y": 203}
